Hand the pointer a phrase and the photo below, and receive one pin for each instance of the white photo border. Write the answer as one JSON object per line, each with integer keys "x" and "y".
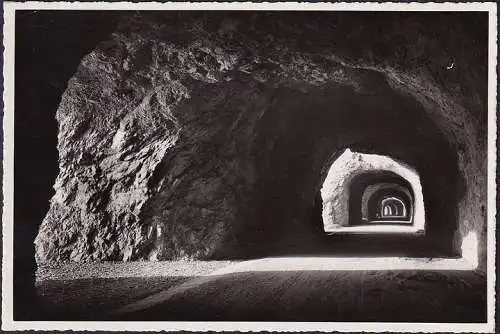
{"x": 8, "y": 167}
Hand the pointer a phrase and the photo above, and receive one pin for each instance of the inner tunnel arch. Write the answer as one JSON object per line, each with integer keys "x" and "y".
{"x": 306, "y": 129}
{"x": 347, "y": 182}
{"x": 389, "y": 207}
{"x": 365, "y": 186}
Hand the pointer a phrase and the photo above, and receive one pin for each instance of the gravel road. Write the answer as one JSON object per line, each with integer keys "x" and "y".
{"x": 86, "y": 291}
{"x": 77, "y": 270}
{"x": 252, "y": 291}
{"x": 389, "y": 296}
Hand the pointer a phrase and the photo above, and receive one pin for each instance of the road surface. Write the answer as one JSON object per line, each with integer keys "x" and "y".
{"x": 253, "y": 291}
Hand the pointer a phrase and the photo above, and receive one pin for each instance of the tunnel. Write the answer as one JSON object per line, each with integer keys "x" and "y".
{"x": 389, "y": 208}
{"x": 315, "y": 128}
{"x": 371, "y": 192}
{"x": 288, "y": 152}
{"x": 210, "y": 135}
{"x": 216, "y": 143}
{"x": 367, "y": 189}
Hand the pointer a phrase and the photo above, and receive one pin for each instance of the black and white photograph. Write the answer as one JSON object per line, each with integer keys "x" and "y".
{"x": 246, "y": 166}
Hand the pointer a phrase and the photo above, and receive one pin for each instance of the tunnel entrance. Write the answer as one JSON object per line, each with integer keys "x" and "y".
{"x": 294, "y": 154}
{"x": 368, "y": 193}
{"x": 381, "y": 198}
{"x": 391, "y": 208}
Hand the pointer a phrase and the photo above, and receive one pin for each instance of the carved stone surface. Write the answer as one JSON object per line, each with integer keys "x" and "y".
{"x": 208, "y": 135}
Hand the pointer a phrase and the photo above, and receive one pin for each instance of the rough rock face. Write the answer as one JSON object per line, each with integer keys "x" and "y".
{"x": 209, "y": 135}
{"x": 336, "y": 193}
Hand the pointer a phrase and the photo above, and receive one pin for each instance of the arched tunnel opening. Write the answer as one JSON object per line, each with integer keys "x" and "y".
{"x": 381, "y": 197}
{"x": 354, "y": 195}
{"x": 315, "y": 125}
{"x": 389, "y": 207}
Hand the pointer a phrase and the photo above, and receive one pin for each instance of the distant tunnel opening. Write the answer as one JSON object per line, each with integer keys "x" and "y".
{"x": 363, "y": 190}
{"x": 295, "y": 150}
{"x": 389, "y": 208}
{"x": 381, "y": 198}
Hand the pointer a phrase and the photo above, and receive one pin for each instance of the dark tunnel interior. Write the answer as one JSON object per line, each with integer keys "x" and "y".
{"x": 315, "y": 126}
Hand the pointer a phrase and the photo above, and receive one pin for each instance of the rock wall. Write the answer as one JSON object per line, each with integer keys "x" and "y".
{"x": 209, "y": 134}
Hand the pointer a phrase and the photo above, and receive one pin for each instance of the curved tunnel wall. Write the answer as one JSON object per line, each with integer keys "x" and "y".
{"x": 337, "y": 188}
{"x": 203, "y": 147}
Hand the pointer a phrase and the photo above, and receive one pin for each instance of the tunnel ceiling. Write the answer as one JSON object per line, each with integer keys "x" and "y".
{"x": 209, "y": 135}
